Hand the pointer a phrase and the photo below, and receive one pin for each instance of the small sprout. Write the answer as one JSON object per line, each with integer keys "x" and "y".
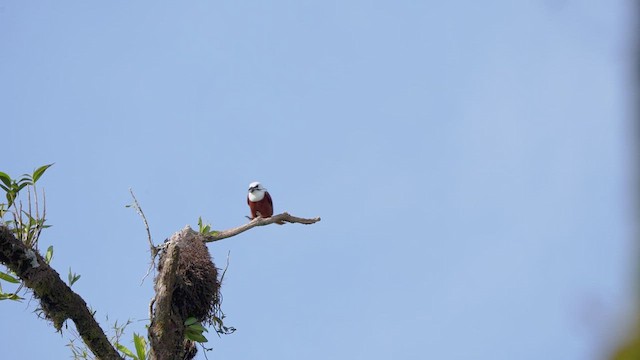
{"x": 73, "y": 277}
{"x": 48, "y": 255}
{"x": 141, "y": 346}
{"x": 205, "y": 229}
{"x": 123, "y": 349}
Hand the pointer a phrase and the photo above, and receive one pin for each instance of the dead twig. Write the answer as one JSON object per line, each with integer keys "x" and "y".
{"x": 152, "y": 248}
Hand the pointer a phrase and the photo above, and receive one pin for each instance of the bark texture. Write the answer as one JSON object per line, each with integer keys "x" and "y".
{"x": 166, "y": 331}
{"x": 57, "y": 300}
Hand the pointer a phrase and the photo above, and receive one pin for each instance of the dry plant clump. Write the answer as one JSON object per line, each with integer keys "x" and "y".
{"x": 196, "y": 289}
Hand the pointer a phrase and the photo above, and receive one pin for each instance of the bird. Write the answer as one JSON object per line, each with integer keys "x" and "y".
{"x": 260, "y": 202}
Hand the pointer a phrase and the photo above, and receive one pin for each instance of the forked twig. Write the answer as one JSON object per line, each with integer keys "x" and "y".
{"x": 152, "y": 248}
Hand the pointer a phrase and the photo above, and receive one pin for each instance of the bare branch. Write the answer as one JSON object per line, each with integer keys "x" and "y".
{"x": 138, "y": 209}
{"x": 259, "y": 221}
{"x": 152, "y": 248}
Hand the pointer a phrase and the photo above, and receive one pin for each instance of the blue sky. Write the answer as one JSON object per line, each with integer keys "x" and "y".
{"x": 470, "y": 162}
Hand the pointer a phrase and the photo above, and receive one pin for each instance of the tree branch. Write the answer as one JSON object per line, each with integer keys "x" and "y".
{"x": 57, "y": 300}
{"x": 259, "y": 221}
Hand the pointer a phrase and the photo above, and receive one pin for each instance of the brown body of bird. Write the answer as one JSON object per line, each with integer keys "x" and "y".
{"x": 260, "y": 202}
{"x": 262, "y": 208}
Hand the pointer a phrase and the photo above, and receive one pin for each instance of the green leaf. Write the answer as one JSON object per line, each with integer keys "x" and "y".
{"x": 10, "y": 197}
{"x": 126, "y": 351}
{"x": 48, "y": 255}
{"x": 24, "y": 180}
{"x": 6, "y": 189}
{"x": 8, "y": 278}
{"x": 6, "y": 179}
{"x": 190, "y": 321}
{"x": 73, "y": 277}
{"x": 39, "y": 171}
{"x": 141, "y": 346}
{"x": 22, "y": 186}
{"x": 196, "y": 337}
{"x": 197, "y": 327}
{"x": 194, "y": 330}
{"x": 8, "y": 296}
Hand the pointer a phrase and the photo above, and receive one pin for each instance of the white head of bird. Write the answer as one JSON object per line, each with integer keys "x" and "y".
{"x": 256, "y": 191}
